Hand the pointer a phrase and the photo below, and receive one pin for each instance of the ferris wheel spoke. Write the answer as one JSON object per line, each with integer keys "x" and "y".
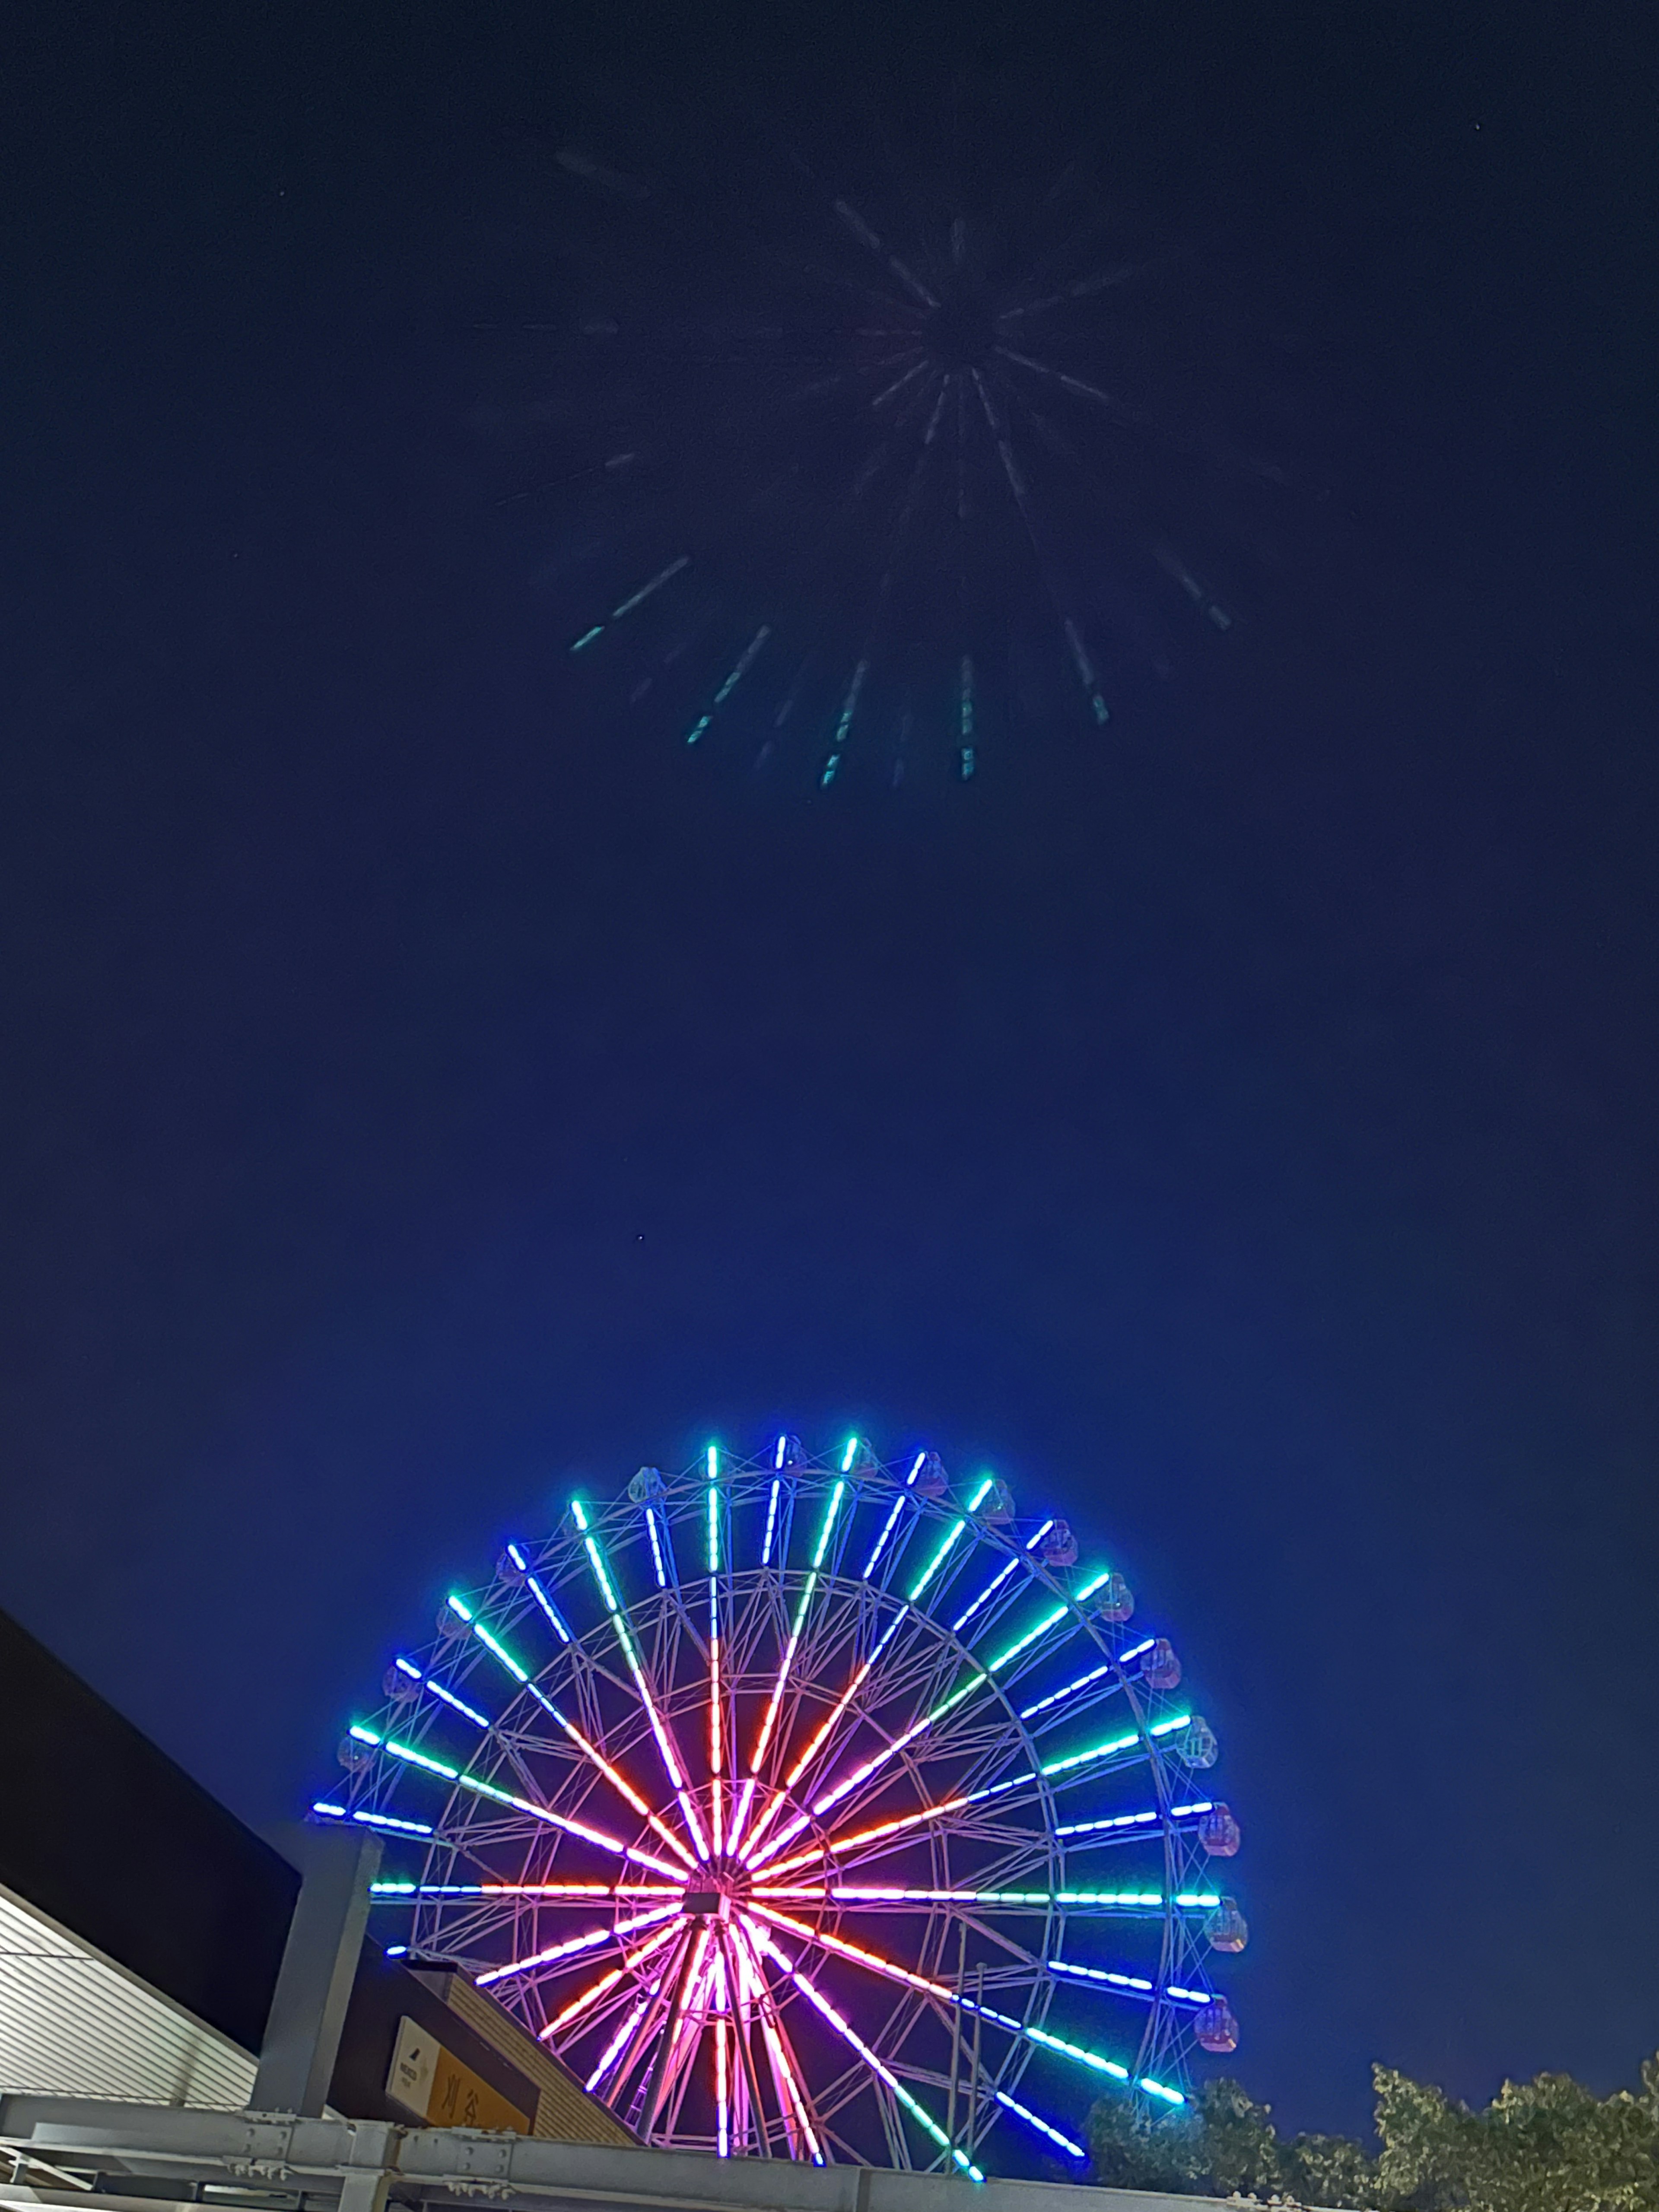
{"x": 1138, "y": 1989}
{"x": 899, "y": 1901}
{"x": 1012, "y": 1658}
{"x": 1001, "y": 1592}
{"x": 478, "y": 1786}
{"x": 804, "y": 2131}
{"x": 433, "y": 1688}
{"x": 586, "y": 2000}
{"x": 873, "y": 1962}
{"x": 1044, "y": 2127}
{"x": 716, "y": 1729}
{"x": 1129, "y": 1828}
{"x": 533, "y": 1583}
{"x": 826, "y": 1727}
{"x": 928, "y": 1583}
{"x": 878, "y": 2068}
{"x": 681, "y": 2035}
{"x": 774, "y": 1496}
{"x": 757, "y": 1756}
{"x": 662, "y": 1546}
{"x": 624, "y": 1788}
{"x": 880, "y": 1549}
{"x": 1104, "y": 1677}
{"x": 544, "y": 1893}
{"x": 665, "y": 1744}
{"x": 619, "y": 2044}
{"x": 591, "y": 1940}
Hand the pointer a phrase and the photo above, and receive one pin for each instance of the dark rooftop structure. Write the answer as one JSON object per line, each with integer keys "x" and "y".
{"x": 145, "y": 1932}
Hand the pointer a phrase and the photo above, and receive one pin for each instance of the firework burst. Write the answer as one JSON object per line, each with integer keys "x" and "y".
{"x": 855, "y": 481}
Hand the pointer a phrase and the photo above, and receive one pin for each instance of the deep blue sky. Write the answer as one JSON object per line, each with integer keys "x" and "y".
{"x": 1242, "y": 1135}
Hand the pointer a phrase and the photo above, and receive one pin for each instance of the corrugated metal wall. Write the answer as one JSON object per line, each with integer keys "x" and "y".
{"x": 73, "y": 2024}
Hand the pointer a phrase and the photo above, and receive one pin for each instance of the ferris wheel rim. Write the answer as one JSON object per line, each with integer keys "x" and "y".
{"x": 846, "y": 1597}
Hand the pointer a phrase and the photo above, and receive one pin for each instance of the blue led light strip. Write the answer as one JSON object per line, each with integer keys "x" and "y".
{"x": 657, "y": 1558}
{"x": 1042, "y": 2127}
{"x": 540, "y": 1596}
{"x": 892, "y": 1518}
{"x": 995, "y": 1584}
{"x": 1137, "y": 1983}
{"x": 371, "y": 1819}
{"x": 426, "y": 1682}
{"x": 1126, "y": 1820}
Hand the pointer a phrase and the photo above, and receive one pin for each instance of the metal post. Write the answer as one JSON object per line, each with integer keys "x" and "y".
{"x": 653, "y": 2095}
{"x": 956, "y": 2042}
{"x": 364, "y": 2189}
{"x": 318, "y": 1969}
{"x": 973, "y": 2078}
{"x": 742, "y": 2027}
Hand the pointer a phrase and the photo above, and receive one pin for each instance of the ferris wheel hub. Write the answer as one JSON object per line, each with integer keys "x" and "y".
{"x": 714, "y": 1888}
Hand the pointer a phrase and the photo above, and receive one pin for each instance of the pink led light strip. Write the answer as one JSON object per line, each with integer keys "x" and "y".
{"x": 626, "y": 1790}
{"x": 815, "y": 1996}
{"x": 715, "y": 1786}
{"x": 860, "y": 1675}
{"x": 791, "y": 2094}
{"x": 842, "y": 1948}
{"x": 588, "y": 1941}
{"x": 590, "y": 1996}
{"x": 556, "y": 1891}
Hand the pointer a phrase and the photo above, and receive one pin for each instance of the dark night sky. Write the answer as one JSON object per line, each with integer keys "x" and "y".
{"x": 1242, "y": 1135}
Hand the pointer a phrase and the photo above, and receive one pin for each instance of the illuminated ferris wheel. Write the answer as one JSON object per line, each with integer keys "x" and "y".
{"x": 826, "y": 1811}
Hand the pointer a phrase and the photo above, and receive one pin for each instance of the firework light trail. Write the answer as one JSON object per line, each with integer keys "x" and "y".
{"x": 856, "y": 477}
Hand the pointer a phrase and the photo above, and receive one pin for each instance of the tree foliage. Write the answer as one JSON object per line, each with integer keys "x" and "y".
{"x": 1547, "y": 2145}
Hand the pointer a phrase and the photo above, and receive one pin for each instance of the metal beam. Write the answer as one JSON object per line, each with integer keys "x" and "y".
{"x": 438, "y": 2166}
{"x": 319, "y": 1966}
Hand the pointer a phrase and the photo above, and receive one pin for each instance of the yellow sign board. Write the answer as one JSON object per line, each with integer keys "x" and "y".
{"x": 432, "y": 2083}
